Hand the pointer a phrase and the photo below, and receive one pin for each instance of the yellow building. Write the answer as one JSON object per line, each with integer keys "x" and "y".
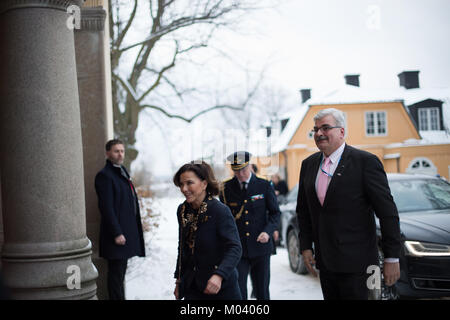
{"x": 406, "y": 127}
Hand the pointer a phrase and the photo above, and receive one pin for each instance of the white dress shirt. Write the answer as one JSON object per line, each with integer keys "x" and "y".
{"x": 334, "y": 158}
{"x": 248, "y": 181}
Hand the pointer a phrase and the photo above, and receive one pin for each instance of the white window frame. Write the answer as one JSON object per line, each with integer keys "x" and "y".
{"x": 376, "y": 129}
{"x": 430, "y": 170}
{"x": 428, "y": 120}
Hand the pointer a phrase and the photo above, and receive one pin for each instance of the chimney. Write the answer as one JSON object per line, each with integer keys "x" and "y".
{"x": 352, "y": 79}
{"x": 306, "y": 94}
{"x": 409, "y": 79}
{"x": 284, "y": 123}
{"x": 268, "y": 131}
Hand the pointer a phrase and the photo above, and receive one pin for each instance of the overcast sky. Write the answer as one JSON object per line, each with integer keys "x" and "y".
{"x": 314, "y": 43}
{"x": 317, "y": 42}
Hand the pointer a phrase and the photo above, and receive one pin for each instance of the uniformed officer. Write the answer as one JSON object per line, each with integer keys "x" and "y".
{"x": 255, "y": 208}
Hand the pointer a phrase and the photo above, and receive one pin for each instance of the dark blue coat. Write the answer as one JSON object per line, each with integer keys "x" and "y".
{"x": 255, "y": 212}
{"x": 119, "y": 208}
{"x": 217, "y": 250}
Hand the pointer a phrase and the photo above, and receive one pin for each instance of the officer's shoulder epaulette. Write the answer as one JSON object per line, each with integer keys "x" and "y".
{"x": 226, "y": 180}
{"x": 262, "y": 177}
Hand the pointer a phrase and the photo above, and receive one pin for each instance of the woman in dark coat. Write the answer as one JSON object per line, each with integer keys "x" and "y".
{"x": 209, "y": 247}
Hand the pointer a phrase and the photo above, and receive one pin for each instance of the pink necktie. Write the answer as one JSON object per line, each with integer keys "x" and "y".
{"x": 322, "y": 183}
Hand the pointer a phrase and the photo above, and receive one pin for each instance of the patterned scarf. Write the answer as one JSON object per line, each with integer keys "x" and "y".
{"x": 190, "y": 218}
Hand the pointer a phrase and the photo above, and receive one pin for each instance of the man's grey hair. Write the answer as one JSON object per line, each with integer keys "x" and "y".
{"x": 338, "y": 116}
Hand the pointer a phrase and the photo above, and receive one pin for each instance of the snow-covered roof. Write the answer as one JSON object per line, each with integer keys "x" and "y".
{"x": 295, "y": 118}
{"x": 428, "y": 138}
{"x": 353, "y": 95}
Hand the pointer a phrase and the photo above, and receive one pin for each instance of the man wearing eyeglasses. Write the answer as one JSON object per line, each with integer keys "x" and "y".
{"x": 340, "y": 189}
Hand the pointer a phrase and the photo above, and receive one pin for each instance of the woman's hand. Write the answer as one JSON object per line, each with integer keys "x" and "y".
{"x": 214, "y": 284}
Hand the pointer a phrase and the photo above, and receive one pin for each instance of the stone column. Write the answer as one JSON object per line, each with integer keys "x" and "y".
{"x": 46, "y": 254}
{"x": 90, "y": 57}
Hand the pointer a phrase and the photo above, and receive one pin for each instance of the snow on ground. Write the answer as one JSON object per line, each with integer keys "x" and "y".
{"x": 286, "y": 285}
{"x": 151, "y": 278}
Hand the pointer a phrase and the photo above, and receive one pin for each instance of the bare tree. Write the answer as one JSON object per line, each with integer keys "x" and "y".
{"x": 273, "y": 100}
{"x": 264, "y": 111}
{"x": 160, "y": 38}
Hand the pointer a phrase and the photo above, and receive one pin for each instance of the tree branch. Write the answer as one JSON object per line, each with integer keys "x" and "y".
{"x": 249, "y": 97}
{"x": 208, "y": 18}
{"x": 122, "y": 34}
{"x": 126, "y": 85}
{"x": 158, "y": 78}
{"x": 170, "y": 115}
{"x": 170, "y": 66}
{"x": 174, "y": 86}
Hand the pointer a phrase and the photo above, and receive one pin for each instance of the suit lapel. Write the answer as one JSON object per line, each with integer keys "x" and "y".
{"x": 337, "y": 176}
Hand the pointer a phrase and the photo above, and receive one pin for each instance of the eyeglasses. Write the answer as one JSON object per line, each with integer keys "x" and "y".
{"x": 324, "y": 128}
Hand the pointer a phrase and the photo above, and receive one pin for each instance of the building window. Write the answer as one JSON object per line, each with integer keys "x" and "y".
{"x": 429, "y": 119}
{"x": 376, "y": 124}
{"x": 419, "y": 164}
{"x": 422, "y": 165}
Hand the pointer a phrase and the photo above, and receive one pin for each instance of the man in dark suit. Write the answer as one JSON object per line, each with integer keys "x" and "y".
{"x": 255, "y": 208}
{"x": 340, "y": 188}
{"x": 121, "y": 235}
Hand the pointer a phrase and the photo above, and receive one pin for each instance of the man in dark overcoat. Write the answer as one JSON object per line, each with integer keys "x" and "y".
{"x": 121, "y": 235}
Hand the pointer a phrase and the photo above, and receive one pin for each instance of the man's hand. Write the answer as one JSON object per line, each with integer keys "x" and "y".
{"x": 263, "y": 237}
{"x": 276, "y": 235}
{"x": 391, "y": 273}
{"x": 120, "y": 240}
{"x": 214, "y": 284}
{"x": 309, "y": 261}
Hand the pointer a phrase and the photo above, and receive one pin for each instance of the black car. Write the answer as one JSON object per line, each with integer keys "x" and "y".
{"x": 423, "y": 203}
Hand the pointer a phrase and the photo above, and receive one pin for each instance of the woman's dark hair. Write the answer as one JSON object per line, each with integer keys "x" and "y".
{"x": 203, "y": 171}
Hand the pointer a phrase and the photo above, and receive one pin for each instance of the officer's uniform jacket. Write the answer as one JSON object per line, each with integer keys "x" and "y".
{"x": 255, "y": 211}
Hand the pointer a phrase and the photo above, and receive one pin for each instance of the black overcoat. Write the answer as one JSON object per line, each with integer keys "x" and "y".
{"x": 119, "y": 208}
